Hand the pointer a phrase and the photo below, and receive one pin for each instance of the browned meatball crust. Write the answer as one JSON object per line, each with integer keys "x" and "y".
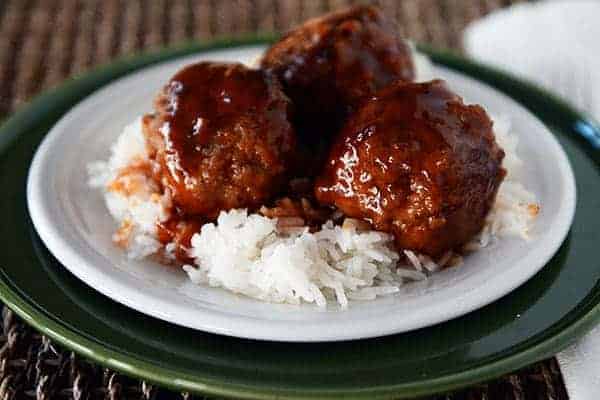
{"x": 417, "y": 162}
{"x": 330, "y": 62}
{"x": 222, "y": 138}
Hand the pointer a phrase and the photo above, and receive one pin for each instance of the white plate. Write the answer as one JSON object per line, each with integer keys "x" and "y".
{"x": 75, "y": 225}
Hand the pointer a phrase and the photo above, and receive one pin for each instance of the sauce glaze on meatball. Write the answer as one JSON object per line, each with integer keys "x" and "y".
{"x": 417, "y": 162}
{"x": 327, "y": 64}
{"x": 222, "y": 138}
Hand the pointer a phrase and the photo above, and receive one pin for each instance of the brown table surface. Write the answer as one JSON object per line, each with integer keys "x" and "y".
{"x": 42, "y": 42}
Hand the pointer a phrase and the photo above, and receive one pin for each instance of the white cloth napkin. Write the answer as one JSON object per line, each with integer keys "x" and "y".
{"x": 554, "y": 43}
{"x": 557, "y": 45}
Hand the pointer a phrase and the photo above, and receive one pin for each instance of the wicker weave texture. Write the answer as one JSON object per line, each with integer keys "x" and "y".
{"x": 43, "y": 42}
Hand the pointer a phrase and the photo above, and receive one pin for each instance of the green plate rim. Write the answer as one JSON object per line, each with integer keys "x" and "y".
{"x": 27, "y": 116}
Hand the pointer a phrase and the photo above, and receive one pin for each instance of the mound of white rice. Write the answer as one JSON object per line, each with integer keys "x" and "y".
{"x": 131, "y": 197}
{"x": 248, "y": 254}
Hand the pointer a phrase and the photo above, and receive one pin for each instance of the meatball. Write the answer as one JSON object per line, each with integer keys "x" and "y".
{"x": 415, "y": 161}
{"x": 221, "y": 137}
{"x": 329, "y": 63}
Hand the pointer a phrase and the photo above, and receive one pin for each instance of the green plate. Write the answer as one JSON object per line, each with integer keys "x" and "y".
{"x": 533, "y": 322}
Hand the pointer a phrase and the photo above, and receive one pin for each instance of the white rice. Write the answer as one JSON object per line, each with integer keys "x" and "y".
{"x": 138, "y": 211}
{"x": 248, "y": 254}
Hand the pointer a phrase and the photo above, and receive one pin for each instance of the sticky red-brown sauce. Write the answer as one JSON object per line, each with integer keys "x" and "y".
{"x": 415, "y": 161}
{"x": 223, "y": 138}
{"x": 179, "y": 231}
{"x": 201, "y": 101}
{"x": 329, "y": 63}
{"x": 409, "y": 159}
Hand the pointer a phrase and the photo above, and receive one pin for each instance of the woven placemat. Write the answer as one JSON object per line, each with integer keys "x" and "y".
{"x": 42, "y": 42}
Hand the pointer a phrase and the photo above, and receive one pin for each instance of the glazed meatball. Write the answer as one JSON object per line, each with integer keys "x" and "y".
{"x": 415, "y": 161}
{"x": 329, "y": 63}
{"x": 221, "y": 137}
